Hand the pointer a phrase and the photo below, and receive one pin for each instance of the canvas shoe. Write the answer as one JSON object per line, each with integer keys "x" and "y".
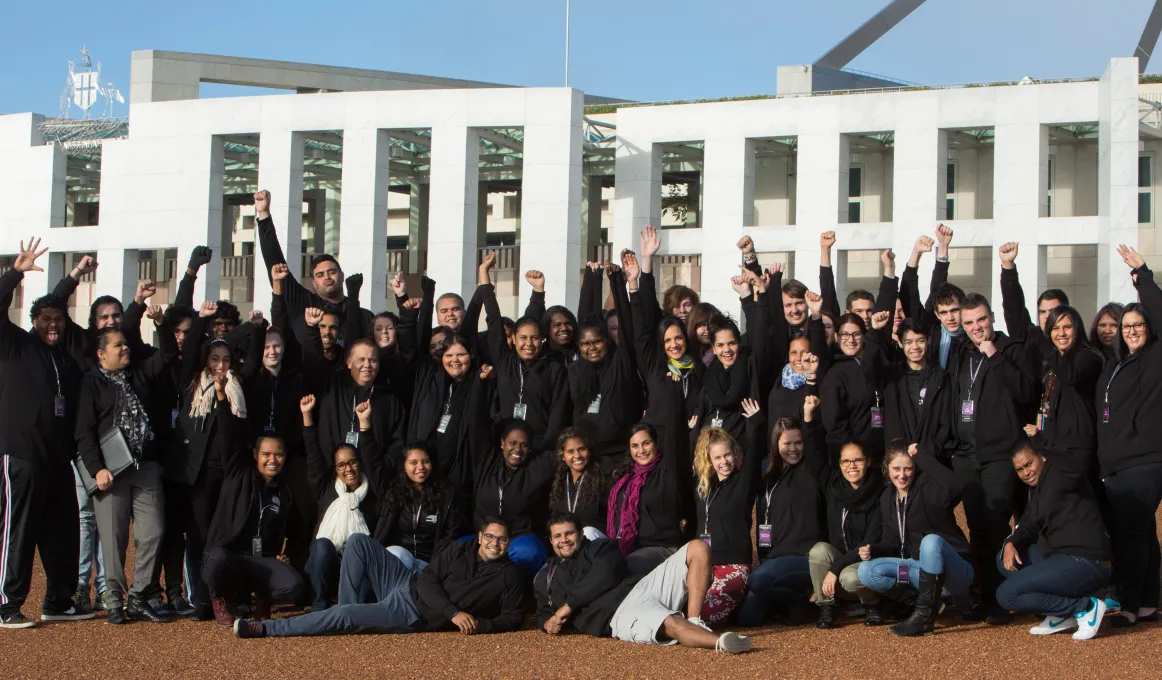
{"x": 1089, "y": 621}
{"x": 732, "y": 643}
{"x": 1054, "y": 624}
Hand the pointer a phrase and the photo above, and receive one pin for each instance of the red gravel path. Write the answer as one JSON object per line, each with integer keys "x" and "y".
{"x": 93, "y": 649}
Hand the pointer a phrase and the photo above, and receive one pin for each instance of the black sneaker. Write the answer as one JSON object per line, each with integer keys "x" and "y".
{"x": 873, "y": 615}
{"x": 138, "y": 609}
{"x": 181, "y": 607}
{"x": 116, "y": 616}
{"x": 826, "y": 617}
{"x": 245, "y": 628}
{"x": 998, "y": 617}
{"x": 70, "y": 614}
{"x": 81, "y": 601}
{"x": 16, "y": 620}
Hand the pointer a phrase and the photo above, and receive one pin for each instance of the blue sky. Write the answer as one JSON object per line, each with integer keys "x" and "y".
{"x": 645, "y": 50}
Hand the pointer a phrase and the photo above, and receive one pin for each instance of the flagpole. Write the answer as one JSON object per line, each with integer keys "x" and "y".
{"x": 566, "y": 43}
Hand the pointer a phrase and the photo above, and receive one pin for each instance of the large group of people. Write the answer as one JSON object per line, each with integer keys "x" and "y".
{"x": 640, "y": 468}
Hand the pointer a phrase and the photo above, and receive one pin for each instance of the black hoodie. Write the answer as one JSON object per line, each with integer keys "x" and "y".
{"x": 1063, "y": 515}
{"x": 458, "y": 580}
{"x": 593, "y": 582}
{"x": 915, "y": 403}
{"x": 519, "y": 496}
{"x": 405, "y": 520}
{"x": 469, "y": 429}
{"x": 791, "y": 502}
{"x": 928, "y": 509}
{"x": 1003, "y": 387}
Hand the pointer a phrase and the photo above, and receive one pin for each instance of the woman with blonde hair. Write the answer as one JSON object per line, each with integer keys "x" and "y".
{"x": 725, "y": 490}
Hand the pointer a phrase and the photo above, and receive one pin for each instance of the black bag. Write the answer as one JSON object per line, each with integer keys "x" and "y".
{"x": 118, "y": 458}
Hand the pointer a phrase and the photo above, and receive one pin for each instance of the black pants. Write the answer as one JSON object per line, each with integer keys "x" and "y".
{"x": 235, "y": 576}
{"x": 988, "y": 507}
{"x": 1134, "y": 495}
{"x": 188, "y": 512}
{"x": 38, "y": 511}
{"x": 300, "y": 529}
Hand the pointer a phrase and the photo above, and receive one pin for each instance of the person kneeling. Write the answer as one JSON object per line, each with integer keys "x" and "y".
{"x": 247, "y": 533}
{"x": 470, "y": 586}
{"x": 1059, "y": 554}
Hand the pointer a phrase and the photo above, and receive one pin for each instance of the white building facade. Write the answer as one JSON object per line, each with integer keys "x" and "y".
{"x": 1056, "y": 166}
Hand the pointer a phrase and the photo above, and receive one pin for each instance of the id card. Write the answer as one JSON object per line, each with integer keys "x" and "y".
{"x": 58, "y": 407}
{"x": 173, "y": 417}
{"x": 256, "y": 546}
{"x": 444, "y": 421}
{"x": 877, "y": 417}
{"x": 716, "y": 422}
{"x": 902, "y": 574}
{"x": 269, "y": 429}
{"x": 595, "y": 405}
{"x": 967, "y": 411}
{"x": 764, "y": 535}
{"x": 519, "y": 411}
{"x": 432, "y": 519}
{"x": 1105, "y": 414}
{"x": 352, "y": 438}
{"x": 705, "y": 538}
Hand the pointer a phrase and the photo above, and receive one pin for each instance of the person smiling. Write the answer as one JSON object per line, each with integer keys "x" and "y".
{"x": 852, "y": 391}
{"x": 915, "y": 390}
{"x": 1059, "y": 553}
{"x": 800, "y": 378}
{"x": 420, "y": 514}
{"x": 580, "y": 486}
{"x": 642, "y": 515}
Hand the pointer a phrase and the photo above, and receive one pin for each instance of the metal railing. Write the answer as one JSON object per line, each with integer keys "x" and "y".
{"x": 507, "y": 257}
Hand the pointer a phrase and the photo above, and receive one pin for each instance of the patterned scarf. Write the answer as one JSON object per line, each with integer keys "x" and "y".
{"x": 679, "y": 366}
{"x": 623, "y": 525}
{"x": 792, "y": 380}
{"x": 129, "y": 416}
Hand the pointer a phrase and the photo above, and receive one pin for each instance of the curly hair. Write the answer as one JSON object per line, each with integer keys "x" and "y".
{"x": 435, "y": 491}
{"x": 588, "y": 492}
{"x": 703, "y": 468}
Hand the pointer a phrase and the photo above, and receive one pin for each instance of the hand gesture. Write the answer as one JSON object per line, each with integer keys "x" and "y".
{"x": 200, "y": 257}
{"x": 1030, "y": 430}
{"x": 26, "y": 259}
{"x": 398, "y": 285}
{"x": 776, "y": 269}
{"x": 880, "y": 320}
{"x": 145, "y": 290}
{"x": 1008, "y": 254}
{"x": 1131, "y": 257}
{"x": 814, "y": 304}
{"x": 488, "y": 262}
{"x": 611, "y": 269}
{"x": 279, "y": 272}
{"x": 943, "y": 236}
{"x": 536, "y": 280}
{"x": 629, "y": 265}
{"x": 354, "y": 283}
{"x": 988, "y": 348}
{"x": 154, "y": 314}
{"x": 810, "y": 403}
{"x": 865, "y": 552}
{"x": 485, "y": 371}
{"x": 595, "y": 266}
{"x": 465, "y": 622}
{"x": 692, "y": 423}
{"x": 651, "y": 241}
{"x": 749, "y": 407}
{"x": 86, "y": 265}
{"x": 827, "y": 240}
{"x": 208, "y": 309}
{"x": 104, "y": 480}
{"x": 913, "y": 449}
{"x": 888, "y": 258}
{"x": 307, "y": 403}
{"x": 924, "y": 244}
{"x": 412, "y": 303}
{"x": 313, "y": 316}
{"x": 363, "y": 412}
{"x": 740, "y": 286}
{"x": 220, "y": 385}
{"x": 810, "y": 365}
{"x": 746, "y": 245}
{"x": 752, "y": 278}
{"x": 262, "y": 203}
{"x": 1011, "y": 558}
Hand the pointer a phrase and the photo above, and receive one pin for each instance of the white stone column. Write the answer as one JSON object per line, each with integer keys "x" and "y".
{"x": 417, "y": 227}
{"x": 1117, "y": 178}
{"x": 638, "y": 201}
{"x": 210, "y": 171}
{"x": 728, "y": 206}
{"x": 919, "y": 190}
{"x": 821, "y": 200}
{"x": 280, "y": 171}
{"x": 550, "y": 237}
{"x": 363, "y": 238}
{"x": 116, "y": 274}
{"x": 452, "y": 210}
{"x": 1021, "y": 194}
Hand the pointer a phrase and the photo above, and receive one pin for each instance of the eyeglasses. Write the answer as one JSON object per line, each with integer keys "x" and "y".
{"x": 489, "y": 538}
{"x": 1136, "y": 327}
{"x": 853, "y": 463}
{"x": 854, "y": 335}
{"x": 349, "y": 465}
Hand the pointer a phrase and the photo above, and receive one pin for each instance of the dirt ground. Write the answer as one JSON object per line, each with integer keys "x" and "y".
{"x": 184, "y": 649}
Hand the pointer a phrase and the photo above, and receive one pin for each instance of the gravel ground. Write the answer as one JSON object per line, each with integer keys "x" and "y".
{"x": 92, "y": 649}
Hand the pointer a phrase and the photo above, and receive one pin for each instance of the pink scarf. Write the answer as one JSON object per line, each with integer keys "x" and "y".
{"x": 626, "y": 533}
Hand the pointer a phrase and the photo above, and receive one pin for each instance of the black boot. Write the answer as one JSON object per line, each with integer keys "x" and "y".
{"x": 826, "y": 617}
{"x": 873, "y": 615}
{"x": 923, "y": 616}
{"x": 116, "y": 615}
{"x": 898, "y": 602}
{"x": 138, "y": 609}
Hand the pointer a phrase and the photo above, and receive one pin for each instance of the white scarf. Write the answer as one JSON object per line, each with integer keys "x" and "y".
{"x": 343, "y": 517}
{"x": 203, "y": 401}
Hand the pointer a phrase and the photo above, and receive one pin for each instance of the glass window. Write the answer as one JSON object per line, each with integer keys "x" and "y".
{"x": 950, "y": 178}
{"x": 855, "y": 183}
{"x": 1145, "y": 172}
{"x": 853, "y": 212}
{"x": 1144, "y": 207}
{"x": 950, "y": 208}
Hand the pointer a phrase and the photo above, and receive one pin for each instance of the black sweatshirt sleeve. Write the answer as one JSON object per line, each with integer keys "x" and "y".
{"x": 153, "y": 367}
{"x": 889, "y": 291}
{"x": 941, "y": 476}
{"x": 607, "y": 571}
{"x": 12, "y": 337}
{"x": 536, "y": 306}
{"x": 835, "y": 415}
{"x": 589, "y": 304}
{"x": 185, "y": 292}
{"x": 1013, "y": 303}
{"x": 827, "y": 291}
{"x": 939, "y": 278}
{"x": 512, "y": 611}
{"x": 645, "y": 339}
{"x": 910, "y": 293}
{"x": 429, "y": 589}
{"x": 318, "y": 468}
{"x": 131, "y": 326}
{"x": 88, "y": 421}
{"x": 652, "y": 312}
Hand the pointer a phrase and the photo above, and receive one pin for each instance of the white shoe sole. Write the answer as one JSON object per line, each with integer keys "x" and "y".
{"x": 68, "y": 617}
{"x": 1065, "y": 626}
{"x": 15, "y": 626}
{"x": 733, "y": 643}
{"x": 1089, "y": 632}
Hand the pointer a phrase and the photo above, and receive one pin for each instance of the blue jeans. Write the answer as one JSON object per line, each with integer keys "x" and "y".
{"x": 90, "y": 542}
{"x": 409, "y": 560}
{"x": 526, "y": 551}
{"x": 1058, "y": 585}
{"x": 936, "y": 557}
{"x": 323, "y": 572}
{"x": 778, "y": 581}
{"x": 366, "y": 565}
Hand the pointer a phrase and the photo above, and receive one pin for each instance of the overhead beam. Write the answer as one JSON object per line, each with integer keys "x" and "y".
{"x": 1149, "y": 131}
{"x": 411, "y": 138}
{"x": 1149, "y": 37}
{"x": 866, "y": 35}
{"x": 500, "y": 140}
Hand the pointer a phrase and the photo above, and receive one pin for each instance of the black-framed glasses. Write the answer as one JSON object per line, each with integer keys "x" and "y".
{"x": 853, "y": 463}
{"x": 854, "y": 335}
{"x": 1139, "y": 326}
{"x": 489, "y": 538}
{"x": 352, "y": 464}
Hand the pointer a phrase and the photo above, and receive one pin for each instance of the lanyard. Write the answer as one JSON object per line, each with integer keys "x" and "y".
{"x": 902, "y": 523}
{"x": 550, "y": 571}
{"x": 706, "y": 514}
{"x": 354, "y": 397}
{"x": 273, "y": 391}
{"x": 570, "y": 501}
{"x": 57, "y": 372}
{"x": 448, "y": 403}
{"x": 843, "y": 529}
{"x": 973, "y": 372}
{"x": 771, "y": 492}
{"x": 416, "y": 523}
{"x": 520, "y": 397}
{"x": 500, "y": 491}
{"x": 1109, "y": 384}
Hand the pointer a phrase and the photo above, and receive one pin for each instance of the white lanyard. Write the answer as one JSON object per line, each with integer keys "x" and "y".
{"x": 520, "y": 397}
{"x": 354, "y": 397}
{"x": 550, "y": 571}
{"x": 842, "y": 529}
{"x": 570, "y": 501}
{"x": 1109, "y": 384}
{"x": 448, "y": 403}
{"x": 902, "y": 523}
{"x": 416, "y": 523}
{"x": 58, "y": 374}
{"x": 273, "y": 391}
{"x": 706, "y": 514}
{"x": 771, "y": 492}
{"x": 973, "y": 372}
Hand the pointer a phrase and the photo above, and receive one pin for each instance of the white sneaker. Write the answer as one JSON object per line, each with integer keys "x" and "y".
{"x": 697, "y": 621}
{"x": 1089, "y": 620}
{"x": 732, "y": 643}
{"x": 1054, "y": 624}
{"x": 69, "y": 614}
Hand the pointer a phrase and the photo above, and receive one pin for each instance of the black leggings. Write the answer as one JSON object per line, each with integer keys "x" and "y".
{"x": 188, "y": 512}
{"x": 1134, "y": 495}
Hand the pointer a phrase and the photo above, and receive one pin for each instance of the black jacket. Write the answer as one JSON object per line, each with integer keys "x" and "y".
{"x": 29, "y": 428}
{"x": 519, "y": 496}
{"x": 423, "y": 529}
{"x": 1003, "y": 387}
{"x": 847, "y": 396}
{"x": 98, "y": 403}
{"x": 247, "y": 507}
{"x": 1132, "y": 391}
{"x": 725, "y": 514}
{"x": 917, "y": 417}
{"x": 659, "y": 512}
{"x": 853, "y": 515}
{"x": 455, "y": 580}
{"x": 321, "y": 475}
{"x": 468, "y": 431}
{"x": 590, "y": 509}
{"x": 1068, "y": 419}
{"x": 1063, "y": 514}
{"x": 929, "y": 509}
{"x": 783, "y": 402}
{"x": 721, "y": 396}
{"x": 593, "y": 582}
{"x": 926, "y": 313}
{"x": 540, "y": 384}
{"x": 791, "y": 502}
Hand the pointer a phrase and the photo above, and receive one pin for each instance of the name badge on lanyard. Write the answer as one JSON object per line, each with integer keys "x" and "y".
{"x": 967, "y": 411}
{"x": 595, "y": 405}
{"x": 765, "y": 536}
{"x": 352, "y": 438}
{"x": 519, "y": 411}
{"x": 446, "y": 419}
{"x": 173, "y": 416}
{"x": 58, "y": 404}
{"x": 716, "y": 421}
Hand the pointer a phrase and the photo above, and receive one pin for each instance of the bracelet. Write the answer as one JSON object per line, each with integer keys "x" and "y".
{"x": 749, "y": 257}
{"x": 941, "y": 258}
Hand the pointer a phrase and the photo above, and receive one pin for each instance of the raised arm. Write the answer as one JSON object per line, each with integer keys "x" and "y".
{"x": 939, "y": 273}
{"x": 319, "y": 464}
{"x": 815, "y": 449}
{"x": 199, "y": 258}
{"x": 12, "y": 336}
{"x": 889, "y": 284}
{"x": 941, "y": 475}
{"x": 625, "y": 331}
{"x": 1013, "y": 295}
{"x": 154, "y": 366}
{"x": 589, "y": 304}
{"x": 292, "y": 350}
{"x": 910, "y": 280}
{"x": 1148, "y": 291}
{"x": 257, "y": 330}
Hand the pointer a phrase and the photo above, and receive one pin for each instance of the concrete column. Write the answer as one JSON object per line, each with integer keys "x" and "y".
{"x": 1117, "y": 178}
{"x": 116, "y": 275}
{"x": 363, "y": 239}
{"x": 482, "y": 192}
{"x": 728, "y": 200}
{"x": 920, "y": 189}
{"x": 552, "y": 207}
{"x": 820, "y": 199}
{"x": 209, "y": 230}
{"x": 639, "y": 189}
{"x": 590, "y": 214}
{"x": 1022, "y": 172}
{"x": 417, "y": 227}
{"x": 280, "y": 171}
{"x": 453, "y": 216}
{"x": 332, "y": 219}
